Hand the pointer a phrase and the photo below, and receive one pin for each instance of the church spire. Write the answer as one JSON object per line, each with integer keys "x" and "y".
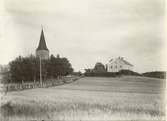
{"x": 42, "y": 43}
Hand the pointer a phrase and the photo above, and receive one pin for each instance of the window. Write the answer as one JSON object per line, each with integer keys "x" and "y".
{"x": 111, "y": 66}
{"x": 115, "y": 66}
{"x": 120, "y": 66}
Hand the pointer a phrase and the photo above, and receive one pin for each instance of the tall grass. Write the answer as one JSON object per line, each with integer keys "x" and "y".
{"x": 80, "y": 110}
{"x": 88, "y": 99}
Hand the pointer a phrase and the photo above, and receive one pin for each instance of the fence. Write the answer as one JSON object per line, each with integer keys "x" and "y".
{"x": 45, "y": 84}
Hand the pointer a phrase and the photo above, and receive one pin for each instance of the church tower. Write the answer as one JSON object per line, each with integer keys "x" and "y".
{"x": 42, "y": 50}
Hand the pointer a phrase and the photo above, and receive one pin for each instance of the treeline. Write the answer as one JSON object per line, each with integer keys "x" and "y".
{"x": 27, "y": 69}
{"x": 156, "y": 74}
{"x": 110, "y": 74}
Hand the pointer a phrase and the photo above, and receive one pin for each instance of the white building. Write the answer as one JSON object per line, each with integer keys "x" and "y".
{"x": 118, "y": 64}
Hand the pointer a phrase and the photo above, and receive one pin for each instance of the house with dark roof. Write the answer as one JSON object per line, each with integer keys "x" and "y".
{"x": 117, "y": 64}
{"x": 42, "y": 50}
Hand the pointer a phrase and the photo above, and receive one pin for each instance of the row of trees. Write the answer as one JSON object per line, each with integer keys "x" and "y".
{"x": 156, "y": 74}
{"x": 89, "y": 72}
{"x": 27, "y": 68}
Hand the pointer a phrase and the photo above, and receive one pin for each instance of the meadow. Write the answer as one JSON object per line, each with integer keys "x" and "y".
{"x": 89, "y": 98}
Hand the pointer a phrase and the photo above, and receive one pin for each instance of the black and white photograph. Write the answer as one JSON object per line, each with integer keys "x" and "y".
{"x": 83, "y": 60}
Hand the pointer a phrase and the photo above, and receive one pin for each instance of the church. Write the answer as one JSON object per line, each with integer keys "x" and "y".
{"x": 42, "y": 51}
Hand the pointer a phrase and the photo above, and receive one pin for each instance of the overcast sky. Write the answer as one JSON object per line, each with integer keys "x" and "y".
{"x": 87, "y": 31}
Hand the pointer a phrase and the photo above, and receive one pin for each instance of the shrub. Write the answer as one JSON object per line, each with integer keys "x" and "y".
{"x": 111, "y": 74}
{"x": 156, "y": 74}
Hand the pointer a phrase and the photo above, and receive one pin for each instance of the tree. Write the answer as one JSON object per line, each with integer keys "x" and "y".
{"x": 24, "y": 69}
{"x": 4, "y": 73}
{"x": 27, "y": 68}
{"x": 58, "y": 66}
{"x": 99, "y": 68}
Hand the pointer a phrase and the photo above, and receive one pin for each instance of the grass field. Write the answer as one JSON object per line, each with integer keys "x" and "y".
{"x": 90, "y": 98}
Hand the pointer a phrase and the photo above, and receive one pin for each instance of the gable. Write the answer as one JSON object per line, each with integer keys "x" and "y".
{"x": 119, "y": 61}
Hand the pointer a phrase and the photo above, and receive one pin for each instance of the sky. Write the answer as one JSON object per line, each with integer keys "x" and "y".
{"x": 86, "y": 31}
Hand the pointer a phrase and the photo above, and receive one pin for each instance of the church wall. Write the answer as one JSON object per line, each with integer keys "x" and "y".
{"x": 44, "y": 54}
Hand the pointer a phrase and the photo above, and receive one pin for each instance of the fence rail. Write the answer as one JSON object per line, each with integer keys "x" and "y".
{"x": 45, "y": 84}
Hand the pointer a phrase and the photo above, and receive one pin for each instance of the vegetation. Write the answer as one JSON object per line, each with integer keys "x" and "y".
{"x": 4, "y": 74}
{"x": 99, "y": 72}
{"x": 99, "y": 68}
{"x": 77, "y": 73}
{"x": 89, "y": 72}
{"x": 156, "y": 74}
{"x": 27, "y": 68}
{"x": 90, "y": 98}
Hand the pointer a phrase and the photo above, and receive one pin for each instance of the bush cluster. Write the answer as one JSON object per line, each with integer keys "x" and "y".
{"x": 111, "y": 74}
{"x": 27, "y": 68}
{"x": 156, "y": 74}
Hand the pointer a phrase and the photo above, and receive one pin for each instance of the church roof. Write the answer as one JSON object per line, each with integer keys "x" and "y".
{"x": 42, "y": 43}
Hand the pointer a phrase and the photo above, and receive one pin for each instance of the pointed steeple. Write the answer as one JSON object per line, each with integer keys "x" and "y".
{"x": 42, "y": 43}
